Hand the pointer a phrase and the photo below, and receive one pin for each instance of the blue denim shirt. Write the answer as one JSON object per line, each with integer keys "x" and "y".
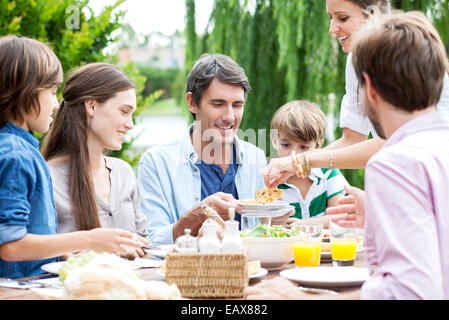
{"x": 26, "y": 196}
{"x": 170, "y": 182}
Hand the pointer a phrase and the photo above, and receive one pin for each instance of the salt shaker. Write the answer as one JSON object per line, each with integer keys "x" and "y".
{"x": 209, "y": 242}
{"x": 186, "y": 243}
{"x": 232, "y": 242}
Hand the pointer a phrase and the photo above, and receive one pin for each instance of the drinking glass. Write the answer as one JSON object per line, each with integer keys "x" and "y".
{"x": 251, "y": 221}
{"x": 343, "y": 245}
{"x": 307, "y": 250}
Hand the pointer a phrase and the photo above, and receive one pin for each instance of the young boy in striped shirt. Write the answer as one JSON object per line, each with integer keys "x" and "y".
{"x": 299, "y": 126}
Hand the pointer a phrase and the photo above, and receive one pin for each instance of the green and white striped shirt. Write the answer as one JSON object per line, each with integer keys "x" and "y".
{"x": 326, "y": 184}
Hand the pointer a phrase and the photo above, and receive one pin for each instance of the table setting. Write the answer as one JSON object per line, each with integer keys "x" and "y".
{"x": 317, "y": 260}
{"x": 324, "y": 276}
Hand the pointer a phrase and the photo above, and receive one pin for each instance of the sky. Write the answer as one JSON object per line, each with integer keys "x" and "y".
{"x": 165, "y": 16}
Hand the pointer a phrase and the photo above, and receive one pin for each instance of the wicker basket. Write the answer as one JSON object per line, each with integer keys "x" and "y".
{"x": 207, "y": 275}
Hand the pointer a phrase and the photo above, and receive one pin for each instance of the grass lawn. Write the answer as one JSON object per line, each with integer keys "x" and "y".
{"x": 164, "y": 107}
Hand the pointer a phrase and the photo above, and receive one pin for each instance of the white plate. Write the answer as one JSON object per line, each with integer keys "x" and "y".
{"x": 262, "y": 272}
{"x": 53, "y": 267}
{"x": 138, "y": 263}
{"x": 162, "y": 253}
{"x": 327, "y": 276}
{"x": 269, "y": 213}
{"x": 262, "y": 207}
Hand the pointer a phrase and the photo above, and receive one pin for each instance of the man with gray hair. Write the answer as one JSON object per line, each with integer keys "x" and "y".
{"x": 210, "y": 164}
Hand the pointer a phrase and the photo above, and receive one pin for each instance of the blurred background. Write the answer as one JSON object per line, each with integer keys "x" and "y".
{"x": 284, "y": 46}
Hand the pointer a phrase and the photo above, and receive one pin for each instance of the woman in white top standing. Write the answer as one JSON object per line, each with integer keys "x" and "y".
{"x": 353, "y": 149}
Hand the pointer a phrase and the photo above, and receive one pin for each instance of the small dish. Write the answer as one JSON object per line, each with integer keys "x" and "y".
{"x": 333, "y": 277}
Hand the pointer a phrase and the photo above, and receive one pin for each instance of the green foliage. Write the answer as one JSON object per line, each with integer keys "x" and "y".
{"x": 287, "y": 53}
{"x": 190, "y": 35}
{"x": 158, "y": 79}
{"x": 77, "y": 36}
{"x": 71, "y": 28}
{"x": 143, "y": 102}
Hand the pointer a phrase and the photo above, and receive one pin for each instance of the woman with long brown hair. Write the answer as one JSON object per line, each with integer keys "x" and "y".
{"x": 30, "y": 74}
{"x": 92, "y": 190}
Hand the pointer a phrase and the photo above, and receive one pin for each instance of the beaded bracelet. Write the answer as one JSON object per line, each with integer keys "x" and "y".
{"x": 296, "y": 165}
{"x": 301, "y": 164}
{"x": 304, "y": 162}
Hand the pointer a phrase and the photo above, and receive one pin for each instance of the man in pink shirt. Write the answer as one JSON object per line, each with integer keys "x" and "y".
{"x": 400, "y": 65}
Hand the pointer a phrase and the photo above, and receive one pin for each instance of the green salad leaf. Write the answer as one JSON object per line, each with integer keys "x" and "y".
{"x": 275, "y": 231}
{"x": 73, "y": 263}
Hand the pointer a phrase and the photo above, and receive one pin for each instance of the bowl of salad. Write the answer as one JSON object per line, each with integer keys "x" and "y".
{"x": 271, "y": 245}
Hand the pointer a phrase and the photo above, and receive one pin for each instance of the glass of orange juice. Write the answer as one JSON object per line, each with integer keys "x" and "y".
{"x": 307, "y": 250}
{"x": 343, "y": 245}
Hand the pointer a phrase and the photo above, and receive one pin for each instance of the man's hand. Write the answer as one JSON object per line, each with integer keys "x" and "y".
{"x": 193, "y": 220}
{"x": 221, "y": 202}
{"x": 277, "y": 288}
{"x": 351, "y": 211}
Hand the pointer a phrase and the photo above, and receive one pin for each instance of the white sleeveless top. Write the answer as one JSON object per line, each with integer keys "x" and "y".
{"x": 351, "y": 112}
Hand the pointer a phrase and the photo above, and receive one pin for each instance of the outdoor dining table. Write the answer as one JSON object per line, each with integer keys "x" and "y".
{"x": 153, "y": 274}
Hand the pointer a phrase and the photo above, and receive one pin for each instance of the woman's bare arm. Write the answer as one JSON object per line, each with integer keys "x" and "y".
{"x": 37, "y": 247}
{"x": 354, "y": 156}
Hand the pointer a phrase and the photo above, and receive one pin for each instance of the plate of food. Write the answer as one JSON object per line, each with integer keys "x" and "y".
{"x": 74, "y": 262}
{"x": 262, "y": 272}
{"x": 266, "y": 199}
{"x": 105, "y": 277}
{"x": 252, "y": 205}
{"x": 327, "y": 276}
{"x": 269, "y": 212}
{"x": 255, "y": 270}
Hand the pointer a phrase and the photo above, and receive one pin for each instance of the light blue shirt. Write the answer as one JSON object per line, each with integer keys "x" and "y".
{"x": 170, "y": 182}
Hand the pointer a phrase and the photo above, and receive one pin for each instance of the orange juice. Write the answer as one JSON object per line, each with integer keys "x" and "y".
{"x": 343, "y": 249}
{"x": 307, "y": 254}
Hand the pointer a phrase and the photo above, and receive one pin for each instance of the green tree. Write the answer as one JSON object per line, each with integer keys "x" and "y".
{"x": 71, "y": 28}
{"x": 76, "y": 34}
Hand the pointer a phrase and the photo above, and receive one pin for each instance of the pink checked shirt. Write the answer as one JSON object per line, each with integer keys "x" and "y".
{"x": 407, "y": 213}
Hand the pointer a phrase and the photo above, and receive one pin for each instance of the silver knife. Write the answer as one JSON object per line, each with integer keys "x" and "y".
{"x": 316, "y": 290}
{"x": 22, "y": 284}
